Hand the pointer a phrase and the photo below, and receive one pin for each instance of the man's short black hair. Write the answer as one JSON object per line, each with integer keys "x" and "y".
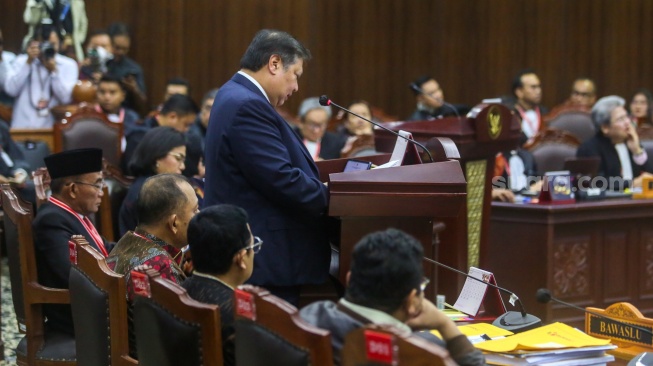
{"x": 268, "y": 42}
{"x": 517, "y": 82}
{"x": 421, "y": 81}
{"x": 159, "y": 198}
{"x": 180, "y": 104}
{"x": 106, "y": 78}
{"x": 118, "y": 29}
{"x": 215, "y": 235}
{"x": 179, "y": 81}
{"x": 386, "y": 266}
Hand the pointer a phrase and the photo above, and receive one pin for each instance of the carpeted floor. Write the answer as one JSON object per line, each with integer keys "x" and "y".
{"x": 10, "y": 334}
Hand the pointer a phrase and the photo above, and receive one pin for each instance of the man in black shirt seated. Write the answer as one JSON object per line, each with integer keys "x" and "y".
{"x": 430, "y": 102}
{"x": 223, "y": 248}
{"x": 386, "y": 286}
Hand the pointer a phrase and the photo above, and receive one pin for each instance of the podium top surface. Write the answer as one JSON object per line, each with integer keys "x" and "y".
{"x": 424, "y": 190}
{"x": 439, "y": 177}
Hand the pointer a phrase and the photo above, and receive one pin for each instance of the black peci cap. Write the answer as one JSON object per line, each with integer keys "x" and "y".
{"x": 74, "y": 162}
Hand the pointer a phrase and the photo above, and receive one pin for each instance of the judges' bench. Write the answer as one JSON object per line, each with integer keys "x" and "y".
{"x": 588, "y": 254}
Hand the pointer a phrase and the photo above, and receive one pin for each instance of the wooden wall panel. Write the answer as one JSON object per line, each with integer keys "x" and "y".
{"x": 371, "y": 49}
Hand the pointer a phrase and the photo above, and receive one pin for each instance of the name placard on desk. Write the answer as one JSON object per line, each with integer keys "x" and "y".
{"x": 616, "y": 331}
{"x": 631, "y": 340}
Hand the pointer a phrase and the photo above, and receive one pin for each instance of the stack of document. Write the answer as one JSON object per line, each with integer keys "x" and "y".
{"x": 555, "y": 344}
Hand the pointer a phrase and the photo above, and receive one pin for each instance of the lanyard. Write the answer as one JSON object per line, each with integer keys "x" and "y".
{"x": 535, "y": 125}
{"x": 121, "y": 114}
{"x": 42, "y": 103}
{"x": 86, "y": 223}
{"x": 317, "y": 151}
{"x": 166, "y": 247}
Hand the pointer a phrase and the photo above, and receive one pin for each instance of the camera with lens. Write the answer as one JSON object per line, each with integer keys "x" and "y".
{"x": 47, "y": 50}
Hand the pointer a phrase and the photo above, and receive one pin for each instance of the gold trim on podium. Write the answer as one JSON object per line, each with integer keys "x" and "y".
{"x": 475, "y": 173}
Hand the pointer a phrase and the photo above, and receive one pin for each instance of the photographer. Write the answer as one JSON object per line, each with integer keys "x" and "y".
{"x": 39, "y": 80}
{"x": 98, "y": 51}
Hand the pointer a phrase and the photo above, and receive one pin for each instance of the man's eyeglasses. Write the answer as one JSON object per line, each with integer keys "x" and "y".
{"x": 178, "y": 156}
{"x": 99, "y": 186}
{"x": 425, "y": 282}
{"x": 256, "y": 246}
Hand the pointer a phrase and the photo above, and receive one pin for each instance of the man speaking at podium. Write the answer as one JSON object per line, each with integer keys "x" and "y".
{"x": 256, "y": 161}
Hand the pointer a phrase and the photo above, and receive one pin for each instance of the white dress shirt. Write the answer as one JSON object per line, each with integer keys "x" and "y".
{"x": 31, "y": 83}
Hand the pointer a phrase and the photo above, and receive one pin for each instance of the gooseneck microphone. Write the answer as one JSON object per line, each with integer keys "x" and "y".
{"x": 544, "y": 296}
{"x": 325, "y": 101}
{"x": 512, "y": 320}
{"x": 419, "y": 90}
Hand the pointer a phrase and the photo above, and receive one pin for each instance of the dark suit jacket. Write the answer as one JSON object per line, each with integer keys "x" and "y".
{"x": 331, "y": 144}
{"x": 13, "y": 151}
{"x": 214, "y": 292}
{"x": 444, "y": 111}
{"x": 256, "y": 161}
{"x": 53, "y": 227}
{"x": 601, "y": 146}
{"x": 128, "y": 218}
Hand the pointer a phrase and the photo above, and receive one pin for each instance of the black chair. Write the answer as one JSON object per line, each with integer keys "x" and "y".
{"x": 577, "y": 123}
{"x": 97, "y": 297}
{"x": 171, "y": 328}
{"x": 273, "y": 328}
{"x": 550, "y": 149}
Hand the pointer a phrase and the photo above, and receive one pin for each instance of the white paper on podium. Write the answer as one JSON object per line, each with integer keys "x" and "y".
{"x": 389, "y": 164}
{"x": 471, "y": 297}
{"x": 400, "y": 146}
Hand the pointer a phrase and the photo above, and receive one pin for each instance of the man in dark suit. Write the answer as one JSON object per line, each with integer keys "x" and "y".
{"x": 223, "y": 250}
{"x": 256, "y": 161}
{"x": 76, "y": 193}
{"x": 623, "y": 160}
{"x": 314, "y": 118}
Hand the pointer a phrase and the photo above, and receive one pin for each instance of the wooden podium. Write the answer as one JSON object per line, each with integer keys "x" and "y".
{"x": 486, "y": 130}
{"x": 410, "y": 198}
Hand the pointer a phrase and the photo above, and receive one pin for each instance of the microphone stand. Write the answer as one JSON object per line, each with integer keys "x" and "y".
{"x": 325, "y": 101}
{"x": 544, "y": 296}
{"x": 514, "y": 321}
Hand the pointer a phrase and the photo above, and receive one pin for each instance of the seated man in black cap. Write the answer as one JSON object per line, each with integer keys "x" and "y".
{"x": 76, "y": 193}
{"x": 385, "y": 286}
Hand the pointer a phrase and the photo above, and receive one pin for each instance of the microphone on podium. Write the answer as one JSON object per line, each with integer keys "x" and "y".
{"x": 544, "y": 296}
{"x": 419, "y": 90}
{"x": 325, "y": 101}
{"x": 514, "y": 321}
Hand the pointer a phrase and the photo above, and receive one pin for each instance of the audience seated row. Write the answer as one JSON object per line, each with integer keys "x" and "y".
{"x": 170, "y": 327}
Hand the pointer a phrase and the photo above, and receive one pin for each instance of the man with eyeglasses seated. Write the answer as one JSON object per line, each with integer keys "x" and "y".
{"x": 314, "y": 119}
{"x": 386, "y": 286}
{"x": 76, "y": 193}
{"x": 582, "y": 97}
{"x": 223, "y": 248}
